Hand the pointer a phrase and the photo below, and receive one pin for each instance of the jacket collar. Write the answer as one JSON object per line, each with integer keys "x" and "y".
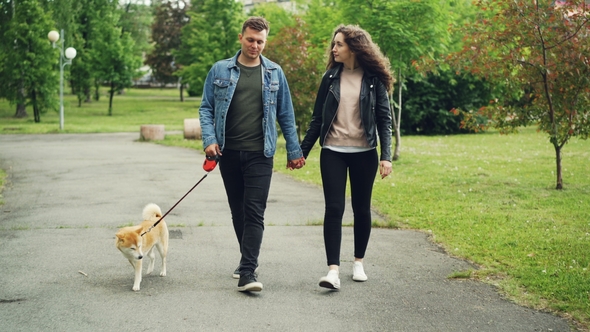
{"x": 335, "y": 71}
{"x": 266, "y": 63}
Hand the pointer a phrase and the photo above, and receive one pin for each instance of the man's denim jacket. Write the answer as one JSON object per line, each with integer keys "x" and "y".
{"x": 218, "y": 91}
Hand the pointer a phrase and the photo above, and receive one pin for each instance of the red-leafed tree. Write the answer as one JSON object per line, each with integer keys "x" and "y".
{"x": 292, "y": 49}
{"x": 540, "y": 54}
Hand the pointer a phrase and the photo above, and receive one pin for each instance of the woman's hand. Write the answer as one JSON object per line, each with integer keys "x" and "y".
{"x": 296, "y": 164}
{"x": 384, "y": 168}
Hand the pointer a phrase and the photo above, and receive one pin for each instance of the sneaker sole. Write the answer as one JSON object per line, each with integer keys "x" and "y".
{"x": 251, "y": 287}
{"x": 327, "y": 284}
{"x": 359, "y": 279}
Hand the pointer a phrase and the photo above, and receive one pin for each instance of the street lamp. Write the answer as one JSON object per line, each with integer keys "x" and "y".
{"x": 65, "y": 58}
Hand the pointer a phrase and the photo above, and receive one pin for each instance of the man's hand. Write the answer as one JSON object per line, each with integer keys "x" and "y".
{"x": 296, "y": 163}
{"x": 213, "y": 150}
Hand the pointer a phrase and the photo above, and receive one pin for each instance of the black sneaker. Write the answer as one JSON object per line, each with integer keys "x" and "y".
{"x": 248, "y": 283}
{"x": 236, "y": 274}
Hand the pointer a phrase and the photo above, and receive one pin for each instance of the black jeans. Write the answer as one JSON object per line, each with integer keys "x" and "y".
{"x": 246, "y": 177}
{"x": 362, "y": 169}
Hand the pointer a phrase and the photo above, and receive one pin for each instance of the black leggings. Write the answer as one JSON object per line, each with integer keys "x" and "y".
{"x": 362, "y": 169}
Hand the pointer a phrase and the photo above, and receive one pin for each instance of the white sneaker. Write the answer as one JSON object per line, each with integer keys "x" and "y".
{"x": 358, "y": 272}
{"x": 330, "y": 281}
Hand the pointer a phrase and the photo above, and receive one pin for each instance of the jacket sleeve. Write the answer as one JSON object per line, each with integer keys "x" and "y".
{"x": 315, "y": 125}
{"x": 384, "y": 121}
{"x": 207, "y": 111}
{"x": 286, "y": 118}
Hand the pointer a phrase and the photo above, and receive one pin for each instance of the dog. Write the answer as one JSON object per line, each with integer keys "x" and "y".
{"x": 133, "y": 246}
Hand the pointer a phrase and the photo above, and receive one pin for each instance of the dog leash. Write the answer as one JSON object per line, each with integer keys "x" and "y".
{"x": 208, "y": 165}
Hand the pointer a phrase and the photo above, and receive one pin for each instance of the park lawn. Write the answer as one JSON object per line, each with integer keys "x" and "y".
{"x": 487, "y": 198}
{"x": 130, "y": 110}
{"x": 491, "y": 199}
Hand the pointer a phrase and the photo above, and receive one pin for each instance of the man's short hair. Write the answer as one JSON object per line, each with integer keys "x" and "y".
{"x": 256, "y": 23}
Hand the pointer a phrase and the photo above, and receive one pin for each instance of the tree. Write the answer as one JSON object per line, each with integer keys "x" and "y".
{"x": 169, "y": 19}
{"x": 406, "y": 31}
{"x": 276, "y": 15}
{"x": 111, "y": 51}
{"x": 211, "y": 35}
{"x": 6, "y": 14}
{"x": 67, "y": 15}
{"x": 291, "y": 48}
{"x": 541, "y": 54}
{"x": 136, "y": 19}
{"x": 322, "y": 16}
{"x": 27, "y": 73}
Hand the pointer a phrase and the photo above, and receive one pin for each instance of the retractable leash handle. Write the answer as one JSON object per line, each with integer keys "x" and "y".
{"x": 208, "y": 165}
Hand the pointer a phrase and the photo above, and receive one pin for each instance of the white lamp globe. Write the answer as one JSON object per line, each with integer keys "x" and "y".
{"x": 70, "y": 53}
{"x": 53, "y": 36}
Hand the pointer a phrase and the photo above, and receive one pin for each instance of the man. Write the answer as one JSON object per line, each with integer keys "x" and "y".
{"x": 243, "y": 98}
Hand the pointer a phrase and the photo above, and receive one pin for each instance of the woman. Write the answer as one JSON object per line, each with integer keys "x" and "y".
{"x": 351, "y": 114}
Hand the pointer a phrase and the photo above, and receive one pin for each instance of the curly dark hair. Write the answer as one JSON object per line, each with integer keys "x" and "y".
{"x": 367, "y": 53}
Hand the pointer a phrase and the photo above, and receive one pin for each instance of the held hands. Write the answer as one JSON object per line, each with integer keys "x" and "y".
{"x": 296, "y": 163}
{"x": 384, "y": 168}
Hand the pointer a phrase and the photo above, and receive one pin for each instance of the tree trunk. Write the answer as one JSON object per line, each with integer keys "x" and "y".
{"x": 21, "y": 108}
{"x": 557, "y": 147}
{"x": 111, "y": 95}
{"x": 36, "y": 112}
{"x": 397, "y": 119}
{"x": 181, "y": 92}
{"x": 96, "y": 90}
{"x": 21, "y": 111}
{"x": 87, "y": 94}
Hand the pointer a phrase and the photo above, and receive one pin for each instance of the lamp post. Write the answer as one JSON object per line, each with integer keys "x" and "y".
{"x": 65, "y": 58}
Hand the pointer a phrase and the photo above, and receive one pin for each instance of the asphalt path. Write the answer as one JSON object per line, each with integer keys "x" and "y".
{"x": 66, "y": 195}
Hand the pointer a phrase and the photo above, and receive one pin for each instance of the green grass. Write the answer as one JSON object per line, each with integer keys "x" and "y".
{"x": 2, "y": 182}
{"x": 487, "y": 198}
{"x": 490, "y": 199}
{"x": 132, "y": 109}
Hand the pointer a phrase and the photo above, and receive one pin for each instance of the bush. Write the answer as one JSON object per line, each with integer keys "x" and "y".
{"x": 429, "y": 101}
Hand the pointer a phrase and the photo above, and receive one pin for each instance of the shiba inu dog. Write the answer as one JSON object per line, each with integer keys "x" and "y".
{"x": 133, "y": 246}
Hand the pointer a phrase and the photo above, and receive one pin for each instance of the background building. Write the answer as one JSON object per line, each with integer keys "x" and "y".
{"x": 287, "y": 4}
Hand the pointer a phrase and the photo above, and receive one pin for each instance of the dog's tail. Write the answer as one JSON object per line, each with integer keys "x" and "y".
{"x": 152, "y": 212}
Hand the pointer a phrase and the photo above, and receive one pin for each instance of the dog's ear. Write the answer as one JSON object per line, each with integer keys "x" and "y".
{"x": 119, "y": 239}
{"x": 139, "y": 231}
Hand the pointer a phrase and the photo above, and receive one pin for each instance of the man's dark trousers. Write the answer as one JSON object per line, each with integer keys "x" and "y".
{"x": 246, "y": 176}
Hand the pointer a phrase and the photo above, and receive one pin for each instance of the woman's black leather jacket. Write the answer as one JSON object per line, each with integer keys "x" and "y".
{"x": 374, "y": 109}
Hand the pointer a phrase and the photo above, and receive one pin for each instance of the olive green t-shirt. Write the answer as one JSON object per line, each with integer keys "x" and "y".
{"x": 243, "y": 125}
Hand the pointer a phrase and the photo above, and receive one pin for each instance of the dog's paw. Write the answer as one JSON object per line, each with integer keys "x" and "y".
{"x": 163, "y": 274}
{"x": 135, "y": 288}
